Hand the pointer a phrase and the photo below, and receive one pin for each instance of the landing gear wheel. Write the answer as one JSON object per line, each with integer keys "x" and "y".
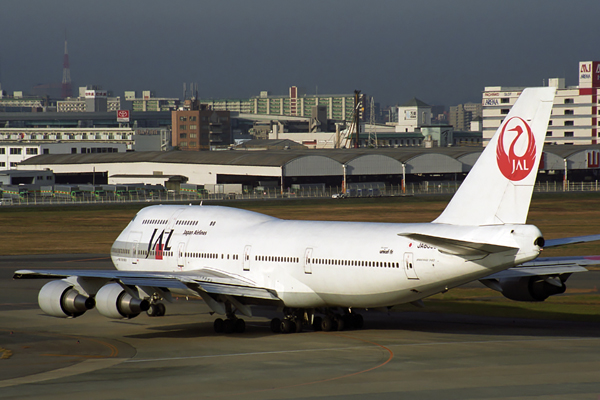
{"x": 357, "y": 321}
{"x": 276, "y": 325}
{"x": 298, "y": 324}
{"x": 339, "y": 322}
{"x": 288, "y": 326}
{"x": 228, "y": 325}
{"x": 152, "y": 310}
{"x": 328, "y": 324}
{"x": 218, "y": 325}
{"x": 317, "y": 321}
{"x": 161, "y": 309}
{"x": 240, "y": 326}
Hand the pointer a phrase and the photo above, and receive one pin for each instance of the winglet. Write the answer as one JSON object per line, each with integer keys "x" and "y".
{"x": 499, "y": 187}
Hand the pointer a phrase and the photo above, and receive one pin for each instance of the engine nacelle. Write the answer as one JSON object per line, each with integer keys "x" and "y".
{"x": 60, "y": 299}
{"x": 113, "y": 301}
{"x": 533, "y": 288}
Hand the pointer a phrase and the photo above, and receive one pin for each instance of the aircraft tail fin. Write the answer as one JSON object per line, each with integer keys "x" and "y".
{"x": 499, "y": 187}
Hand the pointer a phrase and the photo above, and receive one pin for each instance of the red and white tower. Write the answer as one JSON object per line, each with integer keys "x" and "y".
{"x": 66, "y": 80}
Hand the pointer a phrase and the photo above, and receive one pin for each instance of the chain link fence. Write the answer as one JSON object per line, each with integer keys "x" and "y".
{"x": 412, "y": 189}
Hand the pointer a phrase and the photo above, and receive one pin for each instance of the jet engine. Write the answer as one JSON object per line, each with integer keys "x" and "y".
{"x": 60, "y": 299}
{"x": 113, "y": 301}
{"x": 533, "y": 288}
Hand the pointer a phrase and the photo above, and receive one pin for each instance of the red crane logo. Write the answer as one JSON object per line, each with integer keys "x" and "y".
{"x": 516, "y": 167}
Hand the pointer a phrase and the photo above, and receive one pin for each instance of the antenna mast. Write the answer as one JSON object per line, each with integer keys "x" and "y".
{"x": 67, "y": 91}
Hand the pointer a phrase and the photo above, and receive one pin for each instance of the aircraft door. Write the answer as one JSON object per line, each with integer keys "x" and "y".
{"x": 247, "y": 251}
{"x": 134, "y": 239}
{"x": 409, "y": 266}
{"x": 173, "y": 219}
{"x": 135, "y": 252}
{"x": 181, "y": 255}
{"x": 308, "y": 261}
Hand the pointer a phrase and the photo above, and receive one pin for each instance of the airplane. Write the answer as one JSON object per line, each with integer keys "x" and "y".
{"x": 321, "y": 274}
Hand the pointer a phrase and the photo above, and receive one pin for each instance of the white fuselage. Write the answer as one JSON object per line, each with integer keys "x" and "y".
{"x": 312, "y": 263}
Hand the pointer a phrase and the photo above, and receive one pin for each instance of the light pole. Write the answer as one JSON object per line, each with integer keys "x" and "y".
{"x": 344, "y": 182}
{"x": 565, "y": 181}
{"x": 403, "y": 178}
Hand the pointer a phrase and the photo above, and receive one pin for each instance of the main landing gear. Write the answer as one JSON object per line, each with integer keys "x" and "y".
{"x": 295, "y": 320}
{"x": 232, "y": 324}
{"x": 156, "y": 310}
{"x": 229, "y": 325}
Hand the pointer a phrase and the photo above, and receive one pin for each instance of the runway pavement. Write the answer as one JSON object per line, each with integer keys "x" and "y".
{"x": 403, "y": 355}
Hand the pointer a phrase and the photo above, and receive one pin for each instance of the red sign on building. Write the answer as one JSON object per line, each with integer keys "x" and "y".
{"x": 122, "y": 115}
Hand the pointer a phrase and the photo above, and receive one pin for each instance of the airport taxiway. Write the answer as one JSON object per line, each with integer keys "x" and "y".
{"x": 405, "y": 355}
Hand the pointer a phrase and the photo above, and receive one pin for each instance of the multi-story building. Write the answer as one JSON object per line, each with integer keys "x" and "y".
{"x": 200, "y": 128}
{"x": 295, "y": 104}
{"x": 148, "y": 102}
{"x": 574, "y": 118}
{"x": 413, "y": 114}
{"x": 90, "y": 99}
{"x": 18, "y": 102}
{"x": 12, "y": 152}
{"x": 461, "y": 115}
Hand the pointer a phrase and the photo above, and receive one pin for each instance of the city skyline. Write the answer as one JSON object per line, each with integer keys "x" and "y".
{"x": 438, "y": 51}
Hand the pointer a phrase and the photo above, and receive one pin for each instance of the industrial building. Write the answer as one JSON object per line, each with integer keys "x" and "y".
{"x": 574, "y": 118}
{"x": 289, "y": 167}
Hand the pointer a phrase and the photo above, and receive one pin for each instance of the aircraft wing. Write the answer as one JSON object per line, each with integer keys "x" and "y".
{"x": 201, "y": 281}
{"x": 571, "y": 240}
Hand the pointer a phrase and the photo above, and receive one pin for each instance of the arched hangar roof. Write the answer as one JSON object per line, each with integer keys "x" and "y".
{"x": 293, "y": 162}
{"x": 358, "y": 160}
{"x": 321, "y": 162}
{"x": 576, "y": 156}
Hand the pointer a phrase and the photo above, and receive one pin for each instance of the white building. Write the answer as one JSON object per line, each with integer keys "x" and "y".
{"x": 11, "y": 154}
{"x": 574, "y": 118}
{"x": 413, "y": 114}
{"x": 19, "y": 144}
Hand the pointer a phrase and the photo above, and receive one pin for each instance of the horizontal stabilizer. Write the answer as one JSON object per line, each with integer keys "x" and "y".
{"x": 518, "y": 272}
{"x": 457, "y": 247}
{"x": 571, "y": 240}
{"x": 548, "y": 266}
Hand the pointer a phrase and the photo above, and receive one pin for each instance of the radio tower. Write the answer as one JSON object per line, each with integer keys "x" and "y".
{"x": 66, "y": 81}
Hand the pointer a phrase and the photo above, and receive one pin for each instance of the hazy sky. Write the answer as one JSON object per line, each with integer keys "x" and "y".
{"x": 440, "y": 51}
